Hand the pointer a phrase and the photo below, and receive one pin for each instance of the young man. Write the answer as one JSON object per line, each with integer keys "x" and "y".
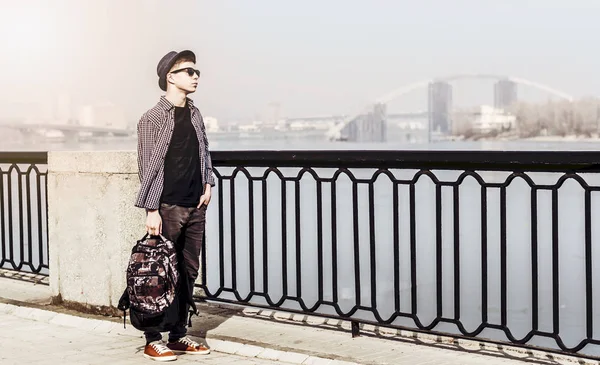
{"x": 175, "y": 171}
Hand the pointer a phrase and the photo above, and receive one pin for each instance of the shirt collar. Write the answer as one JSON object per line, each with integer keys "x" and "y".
{"x": 167, "y": 105}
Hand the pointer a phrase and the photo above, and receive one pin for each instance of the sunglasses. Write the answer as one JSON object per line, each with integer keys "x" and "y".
{"x": 190, "y": 71}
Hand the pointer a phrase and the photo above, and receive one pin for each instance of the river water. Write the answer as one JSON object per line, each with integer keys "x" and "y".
{"x": 225, "y": 144}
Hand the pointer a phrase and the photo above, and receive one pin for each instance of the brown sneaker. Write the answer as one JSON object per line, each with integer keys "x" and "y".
{"x": 186, "y": 345}
{"x": 157, "y": 351}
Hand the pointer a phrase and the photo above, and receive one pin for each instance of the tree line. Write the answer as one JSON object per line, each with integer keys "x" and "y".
{"x": 553, "y": 118}
{"x": 557, "y": 118}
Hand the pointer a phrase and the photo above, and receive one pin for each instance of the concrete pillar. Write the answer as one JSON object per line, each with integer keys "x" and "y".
{"x": 92, "y": 224}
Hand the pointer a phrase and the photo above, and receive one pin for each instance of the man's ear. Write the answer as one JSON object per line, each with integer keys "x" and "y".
{"x": 170, "y": 79}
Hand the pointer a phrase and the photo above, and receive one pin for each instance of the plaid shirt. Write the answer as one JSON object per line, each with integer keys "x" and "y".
{"x": 155, "y": 130}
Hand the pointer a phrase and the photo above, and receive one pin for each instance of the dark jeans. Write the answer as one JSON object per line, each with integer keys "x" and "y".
{"x": 184, "y": 227}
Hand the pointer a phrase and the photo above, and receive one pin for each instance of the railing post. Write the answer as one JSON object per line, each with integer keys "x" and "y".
{"x": 355, "y": 329}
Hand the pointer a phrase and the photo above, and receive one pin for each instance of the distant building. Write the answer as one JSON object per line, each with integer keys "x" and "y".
{"x": 505, "y": 94}
{"x": 316, "y": 122}
{"x": 86, "y": 116}
{"x": 489, "y": 119}
{"x": 407, "y": 127}
{"x": 252, "y": 127}
{"x": 103, "y": 115}
{"x": 440, "y": 107}
{"x": 369, "y": 127}
{"x": 62, "y": 114}
{"x": 211, "y": 124}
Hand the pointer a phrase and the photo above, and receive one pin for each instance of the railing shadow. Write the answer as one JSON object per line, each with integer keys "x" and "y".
{"x": 528, "y": 355}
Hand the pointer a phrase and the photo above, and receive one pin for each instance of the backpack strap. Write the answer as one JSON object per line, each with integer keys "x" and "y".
{"x": 193, "y": 310}
{"x": 190, "y": 294}
{"x": 124, "y": 304}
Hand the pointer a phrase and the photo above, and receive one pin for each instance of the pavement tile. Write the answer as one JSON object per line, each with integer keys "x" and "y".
{"x": 340, "y": 362}
{"x": 311, "y": 360}
{"x": 43, "y": 316}
{"x": 270, "y": 354}
{"x": 105, "y": 327}
{"x": 57, "y": 344}
{"x": 7, "y": 308}
{"x": 66, "y": 320}
{"x": 90, "y": 324}
{"x": 228, "y": 347}
{"x": 249, "y": 351}
{"x": 293, "y": 357}
{"x": 22, "y": 312}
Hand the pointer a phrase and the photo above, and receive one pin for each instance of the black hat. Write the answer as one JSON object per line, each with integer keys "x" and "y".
{"x": 165, "y": 64}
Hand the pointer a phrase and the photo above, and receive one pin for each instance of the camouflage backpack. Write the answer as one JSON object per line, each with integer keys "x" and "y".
{"x": 152, "y": 279}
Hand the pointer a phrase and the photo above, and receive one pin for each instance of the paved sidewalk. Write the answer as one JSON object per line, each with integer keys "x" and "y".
{"x": 34, "y": 332}
{"x": 30, "y": 336}
{"x": 25, "y": 342}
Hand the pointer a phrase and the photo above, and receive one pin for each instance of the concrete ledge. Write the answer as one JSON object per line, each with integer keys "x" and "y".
{"x": 105, "y": 162}
{"x": 92, "y": 224}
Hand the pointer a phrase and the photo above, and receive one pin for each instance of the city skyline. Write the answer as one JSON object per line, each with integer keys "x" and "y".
{"x": 311, "y": 58}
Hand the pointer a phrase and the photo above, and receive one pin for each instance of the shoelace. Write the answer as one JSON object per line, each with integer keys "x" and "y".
{"x": 186, "y": 340}
{"x": 160, "y": 348}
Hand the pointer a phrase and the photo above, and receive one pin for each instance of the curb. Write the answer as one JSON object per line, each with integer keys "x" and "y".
{"x": 514, "y": 352}
{"x": 228, "y": 347}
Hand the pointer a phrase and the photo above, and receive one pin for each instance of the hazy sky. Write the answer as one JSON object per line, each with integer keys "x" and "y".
{"x": 311, "y": 56}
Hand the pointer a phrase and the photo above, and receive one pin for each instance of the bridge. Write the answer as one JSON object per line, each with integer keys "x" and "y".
{"x": 67, "y": 129}
{"x": 370, "y": 124}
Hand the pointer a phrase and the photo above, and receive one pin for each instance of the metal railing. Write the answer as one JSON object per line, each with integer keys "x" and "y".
{"x": 24, "y": 212}
{"x": 496, "y": 245}
{"x": 500, "y": 246}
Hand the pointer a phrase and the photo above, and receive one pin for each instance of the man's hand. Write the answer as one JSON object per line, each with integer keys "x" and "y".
{"x": 154, "y": 223}
{"x": 205, "y": 198}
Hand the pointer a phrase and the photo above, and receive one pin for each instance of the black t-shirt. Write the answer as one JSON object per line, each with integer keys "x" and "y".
{"x": 183, "y": 178}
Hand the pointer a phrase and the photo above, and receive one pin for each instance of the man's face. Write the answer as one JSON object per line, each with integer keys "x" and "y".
{"x": 184, "y": 76}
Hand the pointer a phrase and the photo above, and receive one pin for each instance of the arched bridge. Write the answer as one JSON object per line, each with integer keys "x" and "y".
{"x": 506, "y": 89}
